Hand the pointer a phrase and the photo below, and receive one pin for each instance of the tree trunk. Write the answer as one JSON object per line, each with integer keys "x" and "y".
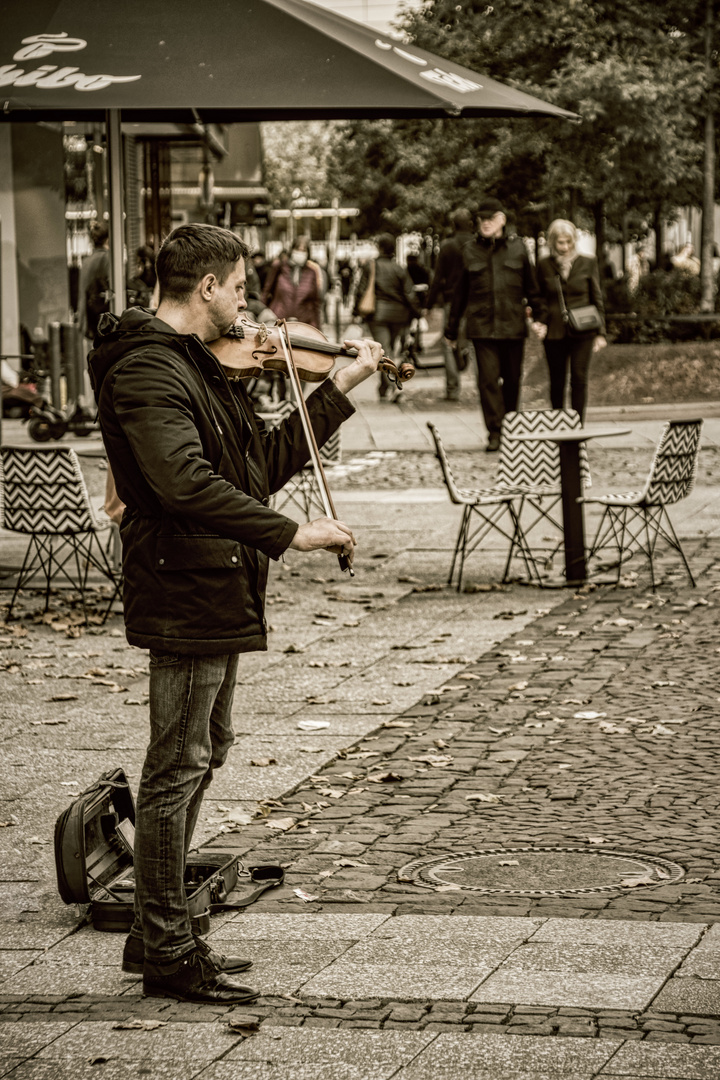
{"x": 707, "y": 243}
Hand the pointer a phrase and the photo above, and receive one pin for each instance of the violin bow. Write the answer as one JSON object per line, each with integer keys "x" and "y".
{"x": 325, "y": 495}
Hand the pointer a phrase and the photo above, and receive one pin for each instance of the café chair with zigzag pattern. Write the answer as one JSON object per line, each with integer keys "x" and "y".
{"x": 636, "y": 520}
{"x": 484, "y": 511}
{"x": 43, "y": 495}
{"x": 534, "y": 469}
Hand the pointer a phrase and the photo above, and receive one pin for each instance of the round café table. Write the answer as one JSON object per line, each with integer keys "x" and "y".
{"x": 568, "y": 441}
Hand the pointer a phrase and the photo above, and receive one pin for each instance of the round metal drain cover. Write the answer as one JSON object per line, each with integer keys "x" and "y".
{"x": 542, "y": 871}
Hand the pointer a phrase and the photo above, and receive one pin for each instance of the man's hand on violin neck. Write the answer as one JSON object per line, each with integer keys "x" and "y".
{"x": 325, "y": 533}
{"x": 369, "y": 355}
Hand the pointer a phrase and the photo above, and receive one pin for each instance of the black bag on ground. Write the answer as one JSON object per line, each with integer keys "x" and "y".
{"x": 94, "y": 840}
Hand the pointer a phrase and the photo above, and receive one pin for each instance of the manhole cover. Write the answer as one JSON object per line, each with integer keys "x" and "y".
{"x": 540, "y": 871}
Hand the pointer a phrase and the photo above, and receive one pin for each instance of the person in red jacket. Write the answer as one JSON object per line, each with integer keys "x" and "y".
{"x": 294, "y": 286}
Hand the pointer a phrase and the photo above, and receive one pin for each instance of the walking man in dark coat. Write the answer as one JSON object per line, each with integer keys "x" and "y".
{"x": 196, "y": 470}
{"x": 497, "y": 283}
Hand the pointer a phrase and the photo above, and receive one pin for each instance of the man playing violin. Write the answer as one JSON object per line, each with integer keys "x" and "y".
{"x": 196, "y": 470}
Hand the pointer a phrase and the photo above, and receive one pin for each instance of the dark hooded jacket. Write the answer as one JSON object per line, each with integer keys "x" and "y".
{"x": 496, "y": 283}
{"x": 195, "y": 470}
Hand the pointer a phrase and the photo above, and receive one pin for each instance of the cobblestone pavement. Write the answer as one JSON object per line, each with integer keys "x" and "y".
{"x": 592, "y": 727}
{"x": 611, "y": 467}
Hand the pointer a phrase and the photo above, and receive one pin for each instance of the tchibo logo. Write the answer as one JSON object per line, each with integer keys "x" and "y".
{"x": 50, "y": 76}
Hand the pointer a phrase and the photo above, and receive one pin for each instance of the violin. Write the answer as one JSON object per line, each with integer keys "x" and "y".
{"x": 250, "y": 349}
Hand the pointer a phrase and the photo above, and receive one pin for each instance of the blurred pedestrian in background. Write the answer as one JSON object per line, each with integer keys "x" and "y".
{"x": 386, "y": 300}
{"x": 294, "y": 285}
{"x": 94, "y": 289}
{"x": 141, "y": 285}
{"x": 448, "y": 271}
{"x": 497, "y": 283}
{"x": 260, "y": 266}
{"x": 569, "y": 280}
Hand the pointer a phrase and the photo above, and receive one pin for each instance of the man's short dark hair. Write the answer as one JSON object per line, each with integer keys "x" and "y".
{"x": 192, "y": 251}
{"x": 462, "y": 220}
{"x": 386, "y": 244}
{"x": 99, "y": 233}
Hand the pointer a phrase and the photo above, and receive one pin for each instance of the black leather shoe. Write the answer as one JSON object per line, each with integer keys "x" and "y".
{"x": 493, "y": 444}
{"x": 194, "y": 978}
{"x": 134, "y": 957}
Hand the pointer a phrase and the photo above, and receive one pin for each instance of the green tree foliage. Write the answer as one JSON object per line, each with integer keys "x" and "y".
{"x": 296, "y": 157}
{"x": 631, "y": 69}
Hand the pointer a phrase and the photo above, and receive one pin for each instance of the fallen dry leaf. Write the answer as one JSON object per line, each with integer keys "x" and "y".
{"x": 283, "y": 824}
{"x": 438, "y": 761}
{"x": 140, "y": 1025}
{"x": 243, "y": 1027}
{"x": 263, "y": 762}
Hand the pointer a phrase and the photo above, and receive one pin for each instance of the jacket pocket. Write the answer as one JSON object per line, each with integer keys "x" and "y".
{"x": 176, "y": 553}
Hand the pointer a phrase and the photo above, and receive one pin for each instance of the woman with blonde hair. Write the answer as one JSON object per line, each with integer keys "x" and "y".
{"x": 569, "y": 281}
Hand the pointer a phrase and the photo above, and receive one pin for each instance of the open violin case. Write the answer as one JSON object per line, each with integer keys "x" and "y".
{"x": 94, "y": 862}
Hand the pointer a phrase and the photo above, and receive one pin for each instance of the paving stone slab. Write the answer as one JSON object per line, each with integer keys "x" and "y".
{"x": 439, "y": 1072}
{"x": 32, "y": 916}
{"x": 465, "y": 956}
{"x": 68, "y": 978}
{"x": 181, "y": 1042}
{"x": 705, "y": 963}
{"x": 477, "y": 929}
{"x": 23, "y": 1038}
{"x": 14, "y": 960}
{"x": 508, "y": 1057}
{"x": 110, "y": 1069}
{"x": 94, "y": 947}
{"x": 8, "y": 1063}
{"x": 315, "y": 926}
{"x": 689, "y": 995}
{"x": 293, "y": 1046}
{"x": 615, "y": 931}
{"x": 314, "y": 954}
{"x": 411, "y": 982}
{"x": 654, "y": 1060}
{"x": 593, "y": 991}
{"x": 254, "y": 1070}
{"x": 600, "y": 959}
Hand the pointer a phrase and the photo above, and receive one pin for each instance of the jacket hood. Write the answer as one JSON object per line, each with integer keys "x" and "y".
{"x": 119, "y": 335}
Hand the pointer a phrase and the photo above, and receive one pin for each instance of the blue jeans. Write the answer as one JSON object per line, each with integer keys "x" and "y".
{"x": 190, "y": 736}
